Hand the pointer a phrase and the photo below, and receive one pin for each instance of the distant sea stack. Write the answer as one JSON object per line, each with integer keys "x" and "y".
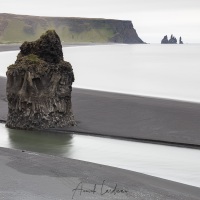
{"x": 18, "y": 28}
{"x": 180, "y": 41}
{"x": 165, "y": 40}
{"x": 39, "y": 86}
{"x": 172, "y": 40}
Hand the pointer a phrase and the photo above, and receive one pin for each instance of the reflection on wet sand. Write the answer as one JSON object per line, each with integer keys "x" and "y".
{"x": 41, "y": 141}
{"x": 172, "y": 163}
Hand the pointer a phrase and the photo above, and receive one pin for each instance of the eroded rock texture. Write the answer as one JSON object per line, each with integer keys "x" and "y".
{"x": 39, "y": 86}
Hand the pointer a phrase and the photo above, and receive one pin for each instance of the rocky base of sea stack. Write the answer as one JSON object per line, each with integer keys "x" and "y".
{"x": 39, "y": 86}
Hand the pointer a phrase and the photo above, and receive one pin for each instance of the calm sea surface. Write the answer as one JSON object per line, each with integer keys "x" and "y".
{"x": 167, "y": 71}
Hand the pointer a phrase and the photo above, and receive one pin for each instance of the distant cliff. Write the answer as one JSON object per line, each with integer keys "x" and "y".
{"x": 18, "y": 28}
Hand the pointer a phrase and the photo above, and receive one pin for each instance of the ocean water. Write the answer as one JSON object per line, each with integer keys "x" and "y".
{"x": 172, "y": 163}
{"x": 165, "y": 71}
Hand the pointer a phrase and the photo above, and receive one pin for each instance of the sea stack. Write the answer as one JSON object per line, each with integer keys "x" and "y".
{"x": 165, "y": 40}
{"x": 39, "y": 86}
{"x": 180, "y": 41}
{"x": 172, "y": 40}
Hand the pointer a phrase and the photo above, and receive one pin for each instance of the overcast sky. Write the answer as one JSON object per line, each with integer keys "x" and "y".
{"x": 151, "y": 18}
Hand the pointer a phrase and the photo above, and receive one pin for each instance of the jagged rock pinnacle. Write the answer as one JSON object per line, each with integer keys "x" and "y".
{"x": 165, "y": 40}
{"x": 47, "y": 48}
{"x": 39, "y": 86}
{"x": 180, "y": 41}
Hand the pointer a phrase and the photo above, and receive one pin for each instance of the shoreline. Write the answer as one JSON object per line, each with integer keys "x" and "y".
{"x": 129, "y": 117}
{"x": 141, "y": 96}
{"x": 44, "y": 176}
{"x": 9, "y": 47}
{"x": 138, "y": 112}
{"x": 15, "y": 46}
{"x": 148, "y": 141}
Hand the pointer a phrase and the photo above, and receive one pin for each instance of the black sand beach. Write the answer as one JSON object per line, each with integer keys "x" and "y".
{"x": 9, "y": 47}
{"x": 134, "y": 117}
{"x": 130, "y": 117}
{"x": 27, "y": 175}
{"x": 15, "y": 47}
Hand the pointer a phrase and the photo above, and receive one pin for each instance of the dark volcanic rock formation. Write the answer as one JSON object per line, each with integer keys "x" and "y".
{"x": 180, "y": 41}
{"x": 39, "y": 86}
{"x": 165, "y": 40}
{"x": 124, "y": 32}
{"x": 172, "y": 40}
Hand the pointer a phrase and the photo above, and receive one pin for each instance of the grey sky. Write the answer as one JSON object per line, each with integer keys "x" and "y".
{"x": 152, "y": 18}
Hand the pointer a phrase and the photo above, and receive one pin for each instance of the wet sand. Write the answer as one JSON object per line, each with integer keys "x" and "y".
{"x": 27, "y": 175}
